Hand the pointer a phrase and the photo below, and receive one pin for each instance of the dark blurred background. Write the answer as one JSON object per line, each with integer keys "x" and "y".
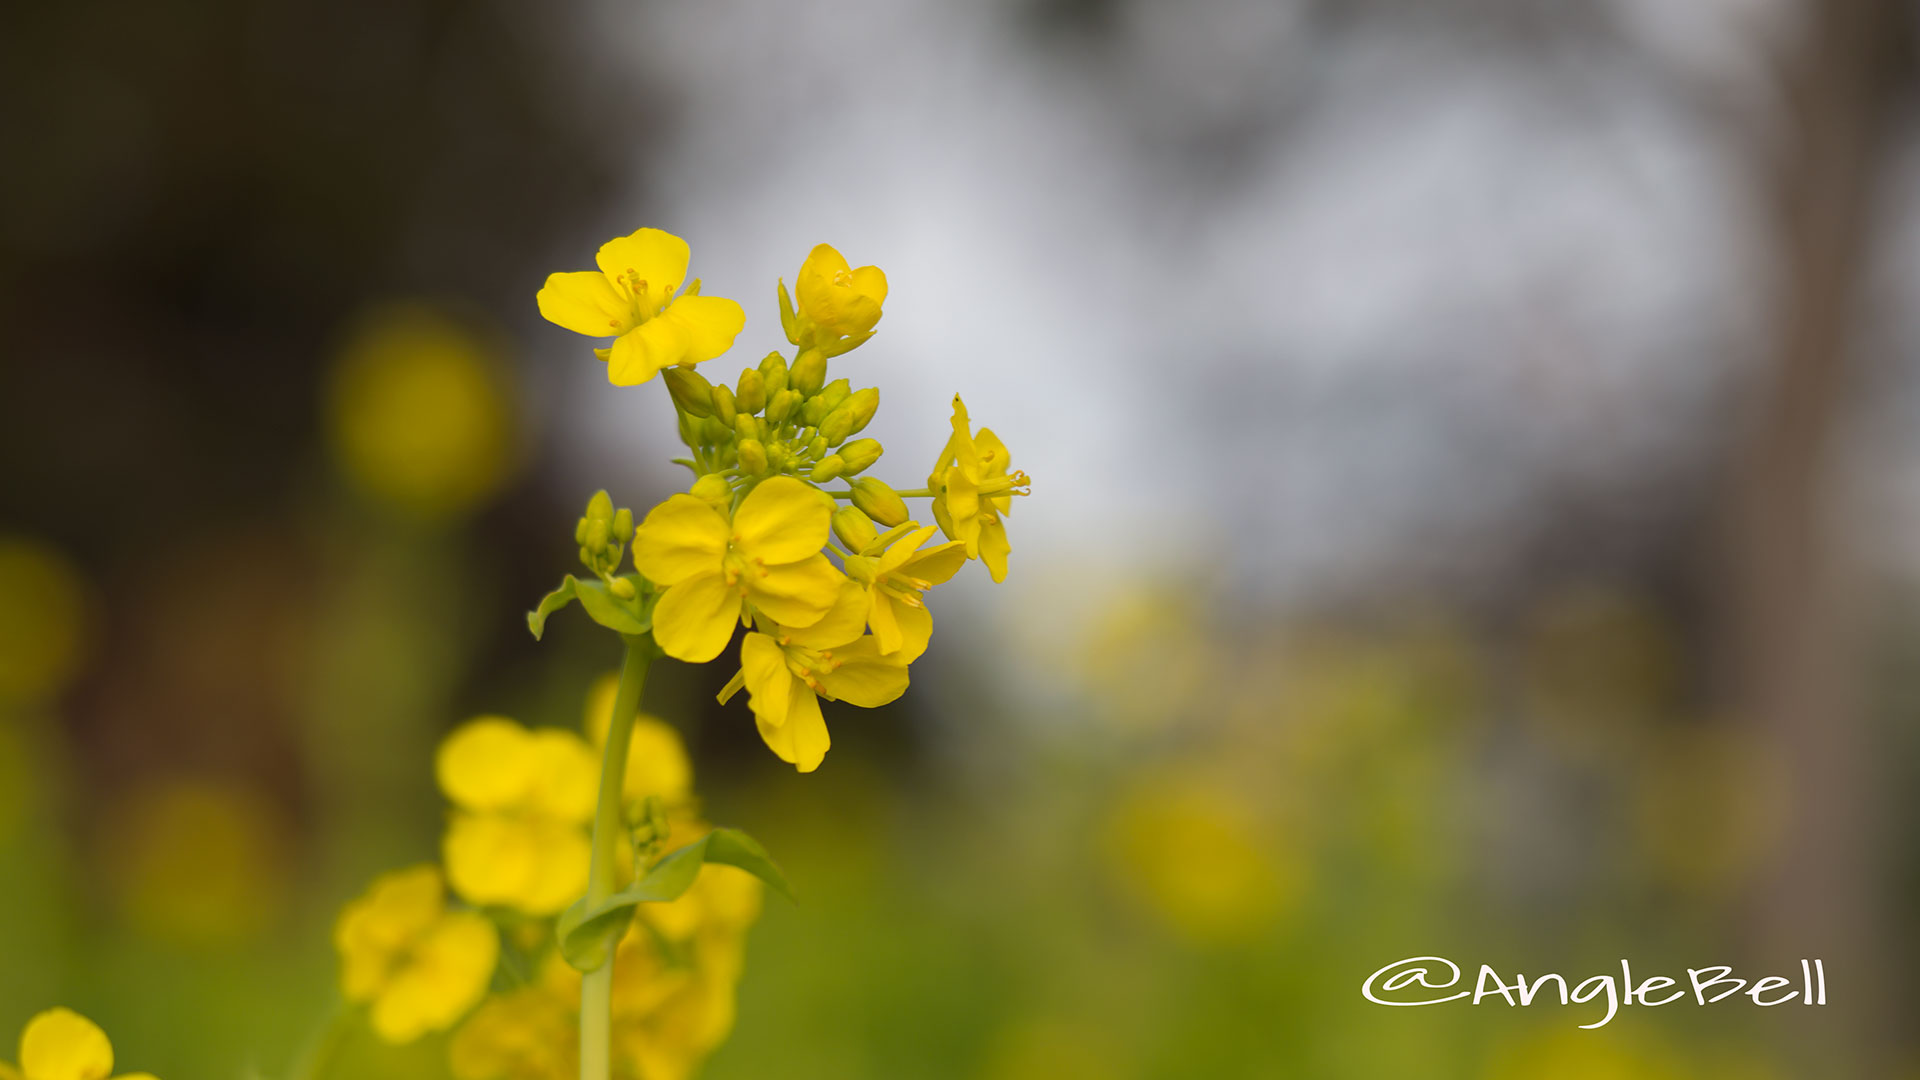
{"x": 1476, "y": 508}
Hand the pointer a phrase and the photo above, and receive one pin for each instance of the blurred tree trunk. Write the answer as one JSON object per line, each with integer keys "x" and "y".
{"x": 1792, "y": 634}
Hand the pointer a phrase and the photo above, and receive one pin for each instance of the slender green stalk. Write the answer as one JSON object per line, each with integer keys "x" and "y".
{"x": 596, "y": 986}
{"x": 316, "y": 1056}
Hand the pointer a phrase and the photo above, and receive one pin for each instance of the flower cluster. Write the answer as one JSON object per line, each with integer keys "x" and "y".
{"x": 60, "y": 1044}
{"x": 749, "y": 542}
{"x": 516, "y": 852}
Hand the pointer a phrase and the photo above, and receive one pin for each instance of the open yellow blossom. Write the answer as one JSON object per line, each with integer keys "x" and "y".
{"x": 415, "y": 964}
{"x": 528, "y": 1033}
{"x": 895, "y": 577}
{"x": 631, "y": 299}
{"x": 835, "y": 297}
{"x": 60, "y": 1044}
{"x": 768, "y": 557}
{"x": 972, "y": 491}
{"x": 521, "y": 799}
{"x": 787, "y": 670}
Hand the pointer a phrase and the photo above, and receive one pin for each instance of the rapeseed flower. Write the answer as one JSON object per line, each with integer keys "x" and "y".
{"x": 631, "y": 298}
{"x": 787, "y": 670}
{"x": 60, "y": 1044}
{"x": 895, "y": 576}
{"x": 972, "y": 491}
{"x": 836, "y": 298}
{"x": 415, "y": 964}
{"x": 715, "y": 570}
{"x": 528, "y": 1033}
{"x": 521, "y": 801}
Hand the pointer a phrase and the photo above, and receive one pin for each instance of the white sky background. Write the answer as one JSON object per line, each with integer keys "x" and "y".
{"x": 1248, "y": 301}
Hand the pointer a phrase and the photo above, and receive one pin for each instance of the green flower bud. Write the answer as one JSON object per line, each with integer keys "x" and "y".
{"x": 753, "y": 457}
{"x": 809, "y": 371}
{"x": 580, "y": 531}
{"x": 836, "y": 392}
{"x": 622, "y": 588}
{"x": 724, "y": 407}
{"x": 837, "y": 426}
{"x": 814, "y": 411}
{"x": 750, "y": 393}
{"x": 878, "y": 501}
{"x": 778, "y": 455}
{"x": 781, "y": 405}
{"x": 863, "y": 405}
{"x": 596, "y": 534}
{"x": 623, "y": 522}
{"x": 859, "y": 454}
{"x": 853, "y": 527}
{"x": 746, "y": 425}
{"x": 689, "y": 427}
{"x": 712, "y": 431}
{"x": 775, "y": 374}
{"x": 816, "y": 447}
{"x": 714, "y": 490}
{"x": 828, "y": 468}
{"x": 690, "y": 390}
{"x": 600, "y": 507}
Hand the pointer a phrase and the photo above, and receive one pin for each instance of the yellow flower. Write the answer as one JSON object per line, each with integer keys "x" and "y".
{"x": 786, "y": 670}
{"x": 529, "y": 1033}
{"x": 838, "y": 299}
{"x": 416, "y": 964}
{"x": 894, "y": 577}
{"x": 768, "y": 557}
{"x": 60, "y": 1044}
{"x": 656, "y": 757}
{"x": 521, "y": 799}
{"x": 973, "y": 491}
{"x": 631, "y": 299}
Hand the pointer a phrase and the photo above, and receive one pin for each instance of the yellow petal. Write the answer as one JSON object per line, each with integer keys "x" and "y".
{"x": 763, "y": 667}
{"x": 782, "y": 520}
{"x": 640, "y": 353}
{"x": 883, "y": 618}
{"x": 994, "y": 458}
{"x": 916, "y": 630}
{"x": 902, "y": 549}
{"x": 657, "y": 763}
{"x": 564, "y": 775}
{"x": 483, "y": 764}
{"x": 870, "y": 282}
{"x": 447, "y": 974}
{"x": 693, "y": 620}
{"x": 60, "y": 1044}
{"x": 797, "y": 594}
{"x": 862, "y": 676}
{"x": 585, "y": 303}
{"x": 843, "y": 622}
{"x": 681, "y": 537}
{"x": 490, "y": 858}
{"x": 563, "y": 858}
{"x": 653, "y": 256}
{"x": 937, "y": 564}
{"x": 381, "y": 924}
{"x": 708, "y": 325}
{"x": 994, "y": 548}
{"x": 801, "y": 741}
{"x": 823, "y": 264}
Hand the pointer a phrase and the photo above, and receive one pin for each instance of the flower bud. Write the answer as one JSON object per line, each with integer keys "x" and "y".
{"x": 753, "y": 457}
{"x": 853, "y": 527}
{"x": 713, "y": 490}
{"x": 750, "y": 393}
{"x": 828, "y": 468}
{"x": 580, "y": 531}
{"x": 596, "y": 534}
{"x": 724, "y": 407}
{"x": 816, "y": 447}
{"x": 778, "y": 455}
{"x": 622, "y": 588}
{"x": 789, "y": 321}
{"x": 623, "y": 521}
{"x": 746, "y": 425}
{"x": 600, "y": 507}
{"x": 878, "y": 501}
{"x": 781, "y": 405}
{"x": 836, "y": 392}
{"x": 859, "y": 454}
{"x": 809, "y": 371}
{"x": 775, "y": 375}
{"x": 863, "y": 404}
{"x": 712, "y": 431}
{"x": 837, "y": 425}
{"x": 814, "y": 411}
{"x": 690, "y": 390}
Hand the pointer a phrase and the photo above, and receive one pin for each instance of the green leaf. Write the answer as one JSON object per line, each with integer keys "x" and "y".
{"x": 633, "y": 616}
{"x": 587, "y": 937}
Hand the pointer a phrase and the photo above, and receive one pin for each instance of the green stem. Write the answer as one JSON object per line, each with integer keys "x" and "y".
{"x": 318, "y": 1053}
{"x": 596, "y": 986}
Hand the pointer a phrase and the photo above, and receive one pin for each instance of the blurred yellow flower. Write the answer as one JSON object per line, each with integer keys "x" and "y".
{"x": 60, "y": 1044}
{"x": 972, "y": 491}
{"x": 42, "y": 620}
{"x": 1195, "y": 853}
{"x": 657, "y": 762}
{"x": 417, "y": 965}
{"x": 786, "y": 670}
{"x": 1571, "y": 1054}
{"x": 895, "y": 577}
{"x": 837, "y": 298}
{"x": 631, "y": 299}
{"x": 419, "y": 412}
{"x": 521, "y": 799}
{"x": 197, "y": 861}
{"x": 768, "y": 556}
{"x": 527, "y": 1033}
